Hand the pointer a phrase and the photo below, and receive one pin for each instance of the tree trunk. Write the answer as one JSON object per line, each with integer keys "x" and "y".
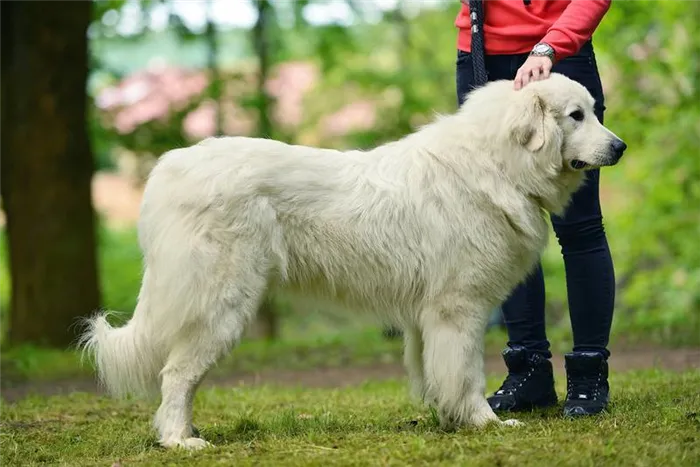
{"x": 47, "y": 168}
{"x": 212, "y": 39}
{"x": 6, "y": 9}
{"x": 408, "y": 106}
{"x": 262, "y": 50}
{"x": 267, "y": 324}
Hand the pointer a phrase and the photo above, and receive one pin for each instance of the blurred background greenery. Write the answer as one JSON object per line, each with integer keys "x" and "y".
{"x": 351, "y": 73}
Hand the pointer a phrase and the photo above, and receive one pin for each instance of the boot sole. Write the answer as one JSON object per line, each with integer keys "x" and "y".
{"x": 585, "y": 414}
{"x": 529, "y": 406}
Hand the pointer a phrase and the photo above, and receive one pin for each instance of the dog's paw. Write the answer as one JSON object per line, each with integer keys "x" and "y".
{"x": 192, "y": 444}
{"x": 511, "y": 422}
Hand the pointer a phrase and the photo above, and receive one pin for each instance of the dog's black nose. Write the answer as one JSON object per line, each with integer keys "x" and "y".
{"x": 618, "y": 147}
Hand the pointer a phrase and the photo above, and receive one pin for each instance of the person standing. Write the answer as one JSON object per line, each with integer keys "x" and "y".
{"x": 525, "y": 41}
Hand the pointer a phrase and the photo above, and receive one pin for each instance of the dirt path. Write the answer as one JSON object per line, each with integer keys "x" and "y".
{"x": 623, "y": 360}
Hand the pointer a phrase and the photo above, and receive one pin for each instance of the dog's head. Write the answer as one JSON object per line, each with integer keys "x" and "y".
{"x": 554, "y": 120}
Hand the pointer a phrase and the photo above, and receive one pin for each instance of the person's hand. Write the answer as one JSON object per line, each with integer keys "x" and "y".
{"x": 535, "y": 68}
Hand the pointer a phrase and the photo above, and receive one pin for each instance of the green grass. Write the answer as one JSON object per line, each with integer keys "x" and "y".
{"x": 654, "y": 420}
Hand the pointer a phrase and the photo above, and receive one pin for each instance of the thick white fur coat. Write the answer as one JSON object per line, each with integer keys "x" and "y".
{"x": 429, "y": 232}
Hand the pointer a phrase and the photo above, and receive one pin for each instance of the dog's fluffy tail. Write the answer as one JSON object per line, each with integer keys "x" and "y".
{"x": 127, "y": 358}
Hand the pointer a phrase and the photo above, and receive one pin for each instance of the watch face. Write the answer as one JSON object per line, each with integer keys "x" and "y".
{"x": 541, "y": 48}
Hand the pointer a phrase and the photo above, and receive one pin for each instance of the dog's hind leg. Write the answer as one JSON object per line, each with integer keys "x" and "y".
{"x": 454, "y": 364}
{"x": 201, "y": 344}
{"x": 187, "y": 365}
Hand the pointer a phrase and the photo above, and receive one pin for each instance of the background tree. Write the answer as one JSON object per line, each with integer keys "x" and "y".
{"x": 267, "y": 319}
{"x": 212, "y": 40}
{"x": 47, "y": 168}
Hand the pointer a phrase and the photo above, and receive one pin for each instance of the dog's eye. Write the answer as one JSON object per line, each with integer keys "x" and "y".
{"x": 576, "y": 115}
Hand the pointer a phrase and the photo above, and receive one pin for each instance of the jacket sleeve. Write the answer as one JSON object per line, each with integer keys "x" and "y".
{"x": 575, "y": 26}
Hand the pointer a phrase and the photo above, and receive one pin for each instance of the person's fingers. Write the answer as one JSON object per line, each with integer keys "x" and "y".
{"x": 534, "y": 69}
{"x": 517, "y": 84}
{"x": 547, "y": 69}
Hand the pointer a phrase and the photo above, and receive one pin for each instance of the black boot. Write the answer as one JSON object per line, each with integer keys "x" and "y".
{"x": 529, "y": 384}
{"x": 587, "y": 389}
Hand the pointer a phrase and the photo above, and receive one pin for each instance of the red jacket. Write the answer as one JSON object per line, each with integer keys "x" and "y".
{"x": 511, "y": 27}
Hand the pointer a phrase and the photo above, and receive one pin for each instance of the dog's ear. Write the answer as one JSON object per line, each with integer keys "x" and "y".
{"x": 527, "y": 120}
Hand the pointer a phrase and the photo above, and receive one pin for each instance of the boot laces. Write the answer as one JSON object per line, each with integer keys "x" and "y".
{"x": 514, "y": 381}
{"x": 584, "y": 387}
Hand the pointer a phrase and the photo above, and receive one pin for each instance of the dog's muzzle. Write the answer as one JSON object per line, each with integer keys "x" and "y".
{"x": 617, "y": 149}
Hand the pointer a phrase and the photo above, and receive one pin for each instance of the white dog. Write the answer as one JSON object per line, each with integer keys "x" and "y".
{"x": 430, "y": 232}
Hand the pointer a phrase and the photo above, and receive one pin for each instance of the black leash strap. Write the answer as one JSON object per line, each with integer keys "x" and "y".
{"x": 476, "y": 14}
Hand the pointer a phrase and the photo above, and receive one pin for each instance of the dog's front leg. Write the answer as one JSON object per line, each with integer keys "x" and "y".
{"x": 453, "y": 359}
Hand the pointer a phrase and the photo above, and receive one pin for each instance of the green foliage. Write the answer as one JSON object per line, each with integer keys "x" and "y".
{"x": 651, "y": 50}
{"x": 654, "y": 421}
{"x": 407, "y": 67}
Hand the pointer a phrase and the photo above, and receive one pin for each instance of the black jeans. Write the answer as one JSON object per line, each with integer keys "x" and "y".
{"x": 590, "y": 277}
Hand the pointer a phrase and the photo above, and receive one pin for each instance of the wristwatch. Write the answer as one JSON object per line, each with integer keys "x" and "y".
{"x": 543, "y": 50}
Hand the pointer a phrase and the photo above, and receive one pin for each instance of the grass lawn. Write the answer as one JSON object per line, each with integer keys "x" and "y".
{"x": 654, "y": 420}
